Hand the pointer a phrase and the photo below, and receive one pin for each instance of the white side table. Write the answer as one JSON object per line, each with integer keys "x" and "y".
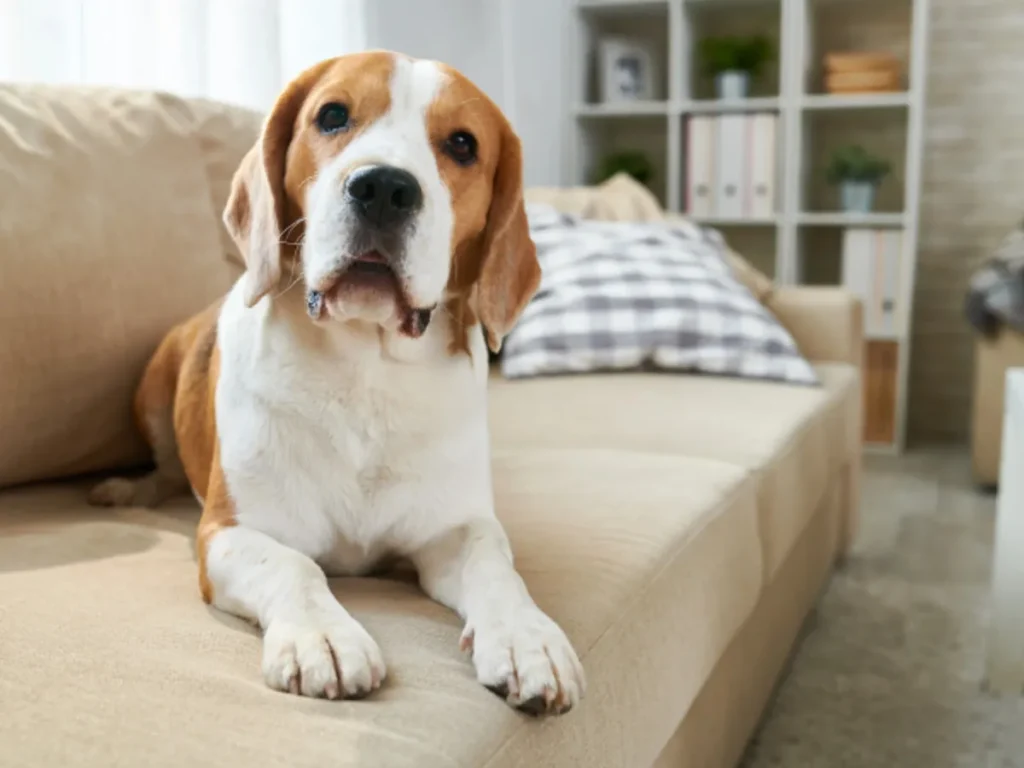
{"x": 1005, "y": 667}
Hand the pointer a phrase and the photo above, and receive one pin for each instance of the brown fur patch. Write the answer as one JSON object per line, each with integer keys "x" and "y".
{"x": 494, "y": 269}
{"x": 183, "y": 375}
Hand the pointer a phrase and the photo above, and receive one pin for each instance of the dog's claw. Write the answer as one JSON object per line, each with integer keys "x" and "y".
{"x": 499, "y": 689}
{"x": 534, "y": 706}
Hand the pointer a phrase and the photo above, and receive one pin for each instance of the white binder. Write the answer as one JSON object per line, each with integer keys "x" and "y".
{"x": 871, "y": 270}
{"x": 732, "y": 166}
{"x": 760, "y": 195}
{"x": 700, "y": 166}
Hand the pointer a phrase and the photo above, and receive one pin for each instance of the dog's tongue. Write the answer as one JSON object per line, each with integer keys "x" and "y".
{"x": 415, "y": 322}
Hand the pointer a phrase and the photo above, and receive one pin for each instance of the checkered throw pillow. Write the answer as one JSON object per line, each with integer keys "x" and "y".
{"x": 618, "y": 295}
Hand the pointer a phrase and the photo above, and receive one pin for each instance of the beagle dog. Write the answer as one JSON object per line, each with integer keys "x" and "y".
{"x": 330, "y": 412}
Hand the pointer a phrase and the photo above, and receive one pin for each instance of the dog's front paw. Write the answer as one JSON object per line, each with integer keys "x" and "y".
{"x": 115, "y": 492}
{"x": 525, "y": 657}
{"x": 331, "y": 659}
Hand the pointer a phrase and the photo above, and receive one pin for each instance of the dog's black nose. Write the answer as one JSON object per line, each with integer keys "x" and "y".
{"x": 384, "y": 196}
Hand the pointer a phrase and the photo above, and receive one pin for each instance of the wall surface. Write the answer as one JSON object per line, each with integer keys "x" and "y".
{"x": 512, "y": 49}
{"x": 973, "y": 193}
{"x": 463, "y": 33}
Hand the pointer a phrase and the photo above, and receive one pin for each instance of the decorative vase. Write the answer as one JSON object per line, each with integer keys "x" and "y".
{"x": 857, "y": 196}
{"x": 732, "y": 84}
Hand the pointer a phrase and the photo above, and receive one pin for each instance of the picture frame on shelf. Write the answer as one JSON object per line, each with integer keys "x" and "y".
{"x": 627, "y": 70}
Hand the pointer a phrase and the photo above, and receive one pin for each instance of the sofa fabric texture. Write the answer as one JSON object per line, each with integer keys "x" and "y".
{"x": 677, "y": 527}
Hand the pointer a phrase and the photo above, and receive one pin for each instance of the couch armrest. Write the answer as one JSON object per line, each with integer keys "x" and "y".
{"x": 826, "y": 322}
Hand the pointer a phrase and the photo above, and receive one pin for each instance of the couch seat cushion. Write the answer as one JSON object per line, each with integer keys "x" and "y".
{"x": 794, "y": 438}
{"x": 651, "y": 563}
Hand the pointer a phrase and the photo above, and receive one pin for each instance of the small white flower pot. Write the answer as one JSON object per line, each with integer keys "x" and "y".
{"x": 857, "y": 196}
{"x": 732, "y": 84}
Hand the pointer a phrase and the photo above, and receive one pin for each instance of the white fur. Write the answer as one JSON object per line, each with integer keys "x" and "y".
{"x": 343, "y": 443}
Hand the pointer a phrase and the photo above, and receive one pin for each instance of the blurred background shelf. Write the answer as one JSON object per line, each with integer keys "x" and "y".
{"x": 804, "y": 240}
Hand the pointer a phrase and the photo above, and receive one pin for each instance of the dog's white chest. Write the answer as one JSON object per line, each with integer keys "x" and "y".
{"x": 347, "y": 458}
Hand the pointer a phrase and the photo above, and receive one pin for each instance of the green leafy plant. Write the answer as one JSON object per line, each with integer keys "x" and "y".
{"x": 854, "y": 163}
{"x": 728, "y": 54}
{"x": 634, "y": 163}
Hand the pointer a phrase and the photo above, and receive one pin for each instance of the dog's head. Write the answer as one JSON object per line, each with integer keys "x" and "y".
{"x": 394, "y": 185}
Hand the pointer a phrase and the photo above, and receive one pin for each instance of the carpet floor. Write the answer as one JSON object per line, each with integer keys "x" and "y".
{"x": 889, "y": 673}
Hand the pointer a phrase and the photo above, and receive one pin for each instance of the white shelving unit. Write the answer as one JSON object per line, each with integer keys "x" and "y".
{"x": 806, "y": 222}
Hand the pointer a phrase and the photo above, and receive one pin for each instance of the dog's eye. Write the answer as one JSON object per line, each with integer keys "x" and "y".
{"x": 332, "y": 118}
{"x": 461, "y": 147}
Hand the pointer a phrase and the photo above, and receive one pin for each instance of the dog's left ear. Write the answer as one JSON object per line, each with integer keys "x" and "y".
{"x": 510, "y": 273}
{"x": 257, "y": 205}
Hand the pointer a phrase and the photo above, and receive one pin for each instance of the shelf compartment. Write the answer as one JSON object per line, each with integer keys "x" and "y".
{"x": 881, "y": 133}
{"x": 640, "y": 25}
{"x": 613, "y": 133}
{"x": 730, "y": 18}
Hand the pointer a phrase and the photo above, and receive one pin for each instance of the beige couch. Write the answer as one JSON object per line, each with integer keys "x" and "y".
{"x": 679, "y": 527}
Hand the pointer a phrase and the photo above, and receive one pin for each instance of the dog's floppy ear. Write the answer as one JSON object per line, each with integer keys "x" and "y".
{"x": 510, "y": 273}
{"x": 257, "y": 205}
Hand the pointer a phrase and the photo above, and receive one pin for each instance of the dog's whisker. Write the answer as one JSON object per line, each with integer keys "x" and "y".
{"x": 284, "y": 234}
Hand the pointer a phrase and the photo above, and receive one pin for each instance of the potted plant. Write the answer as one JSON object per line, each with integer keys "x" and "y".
{"x": 857, "y": 173}
{"x": 631, "y": 162}
{"x": 733, "y": 61}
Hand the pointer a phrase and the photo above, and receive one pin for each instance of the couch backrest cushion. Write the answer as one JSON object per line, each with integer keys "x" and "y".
{"x": 109, "y": 234}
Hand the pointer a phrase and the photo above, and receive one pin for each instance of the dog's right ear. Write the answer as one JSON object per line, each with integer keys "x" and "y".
{"x": 257, "y": 205}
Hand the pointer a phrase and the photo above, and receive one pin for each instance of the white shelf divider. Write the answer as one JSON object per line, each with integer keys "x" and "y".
{"x": 725, "y": 221}
{"x": 842, "y": 219}
{"x": 821, "y": 101}
{"x": 624, "y": 109}
{"x": 712, "y": 106}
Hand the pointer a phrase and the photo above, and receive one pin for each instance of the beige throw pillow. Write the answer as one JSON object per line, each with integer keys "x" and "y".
{"x": 623, "y": 198}
{"x": 108, "y": 236}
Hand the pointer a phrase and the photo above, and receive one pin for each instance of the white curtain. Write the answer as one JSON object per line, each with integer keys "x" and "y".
{"x": 239, "y": 51}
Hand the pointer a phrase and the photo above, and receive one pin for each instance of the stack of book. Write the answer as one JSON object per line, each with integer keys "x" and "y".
{"x": 731, "y": 166}
{"x": 862, "y": 72}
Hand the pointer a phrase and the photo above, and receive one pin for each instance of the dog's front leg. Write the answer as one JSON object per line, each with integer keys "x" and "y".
{"x": 519, "y": 652}
{"x": 311, "y": 644}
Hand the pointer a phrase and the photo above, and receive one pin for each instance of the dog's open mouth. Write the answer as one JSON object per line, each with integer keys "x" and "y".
{"x": 371, "y": 263}
{"x": 371, "y": 275}
{"x": 369, "y": 272}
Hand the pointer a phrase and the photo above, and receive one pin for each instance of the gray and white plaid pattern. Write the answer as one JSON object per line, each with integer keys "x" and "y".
{"x": 995, "y": 296}
{"x": 618, "y": 295}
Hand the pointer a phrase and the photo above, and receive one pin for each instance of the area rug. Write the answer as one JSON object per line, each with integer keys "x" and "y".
{"x": 890, "y": 671}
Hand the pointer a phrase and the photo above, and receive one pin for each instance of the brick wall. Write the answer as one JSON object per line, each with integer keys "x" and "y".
{"x": 973, "y": 192}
